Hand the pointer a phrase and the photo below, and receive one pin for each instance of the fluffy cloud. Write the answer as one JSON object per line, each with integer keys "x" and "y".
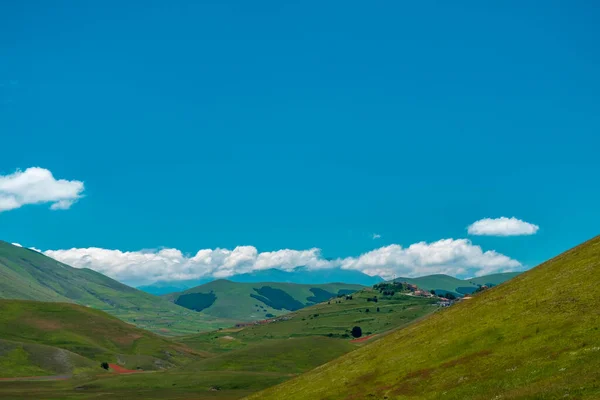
{"x": 502, "y": 227}
{"x": 447, "y": 256}
{"x": 35, "y": 186}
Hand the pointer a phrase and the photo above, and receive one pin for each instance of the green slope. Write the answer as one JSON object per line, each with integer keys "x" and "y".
{"x": 28, "y": 275}
{"x": 19, "y": 359}
{"x": 233, "y": 362}
{"x": 255, "y": 301}
{"x": 88, "y": 333}
{"x": 537, "y": 336}
{"x": 458, "y": 287}
{"x": 283, "y": 355}
{"x": 333, "y": 319}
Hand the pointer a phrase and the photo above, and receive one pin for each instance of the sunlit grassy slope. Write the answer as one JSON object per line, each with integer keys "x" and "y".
{"x": 28, "y": 327}
{"x": 255, "y": 301}
{"x": 535, "y": 337}
{"x": 28, "y": 275}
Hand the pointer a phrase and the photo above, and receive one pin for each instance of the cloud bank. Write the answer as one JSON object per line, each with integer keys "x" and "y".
{"x": 35, "y": 186}
{"x": 457, "y": 257}
{"x": 502, "y": 227}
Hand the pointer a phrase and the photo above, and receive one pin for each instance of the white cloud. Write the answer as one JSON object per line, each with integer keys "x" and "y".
{"x": 37, "y": 185}
{"x": 376, "y": 236}
{"x": 447, "y": 256}
{"x": 16, "y": 244}
{"x": 502, "y": 227}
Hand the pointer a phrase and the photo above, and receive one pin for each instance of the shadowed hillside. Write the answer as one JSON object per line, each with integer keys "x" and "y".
{"x": 537, "y": 336}
{"x": 256, "y": 301}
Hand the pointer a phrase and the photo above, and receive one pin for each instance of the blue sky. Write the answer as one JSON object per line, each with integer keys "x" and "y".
{"x": 300, "y": 125}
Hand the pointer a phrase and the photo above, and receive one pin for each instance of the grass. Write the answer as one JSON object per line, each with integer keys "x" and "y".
{"x": 222, "y": 385}
{"x": 290, "y": 356}
{"x": 28, "y": 275}
{"x": 330, "y": 319}
{"x": 84, "y": 332}
{"x": 234, "y": 300}
{"x": 237, "y": 362}
{"x": 535, "y": 337}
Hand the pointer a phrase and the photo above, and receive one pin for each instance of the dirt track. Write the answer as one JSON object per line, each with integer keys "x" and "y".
{"x": 362, "y": 339}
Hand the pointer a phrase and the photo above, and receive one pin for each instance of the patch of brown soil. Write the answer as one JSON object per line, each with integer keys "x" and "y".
{"x": 45, "y": 324}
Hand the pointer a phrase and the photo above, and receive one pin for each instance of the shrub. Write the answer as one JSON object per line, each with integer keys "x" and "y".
{"x": 356, "y": 332}
{"x": 104, "y": 365}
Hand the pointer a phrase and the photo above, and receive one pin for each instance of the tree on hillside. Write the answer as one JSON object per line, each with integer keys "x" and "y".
{"x": 104, "y": 365}
{"x": 356, "y": 332}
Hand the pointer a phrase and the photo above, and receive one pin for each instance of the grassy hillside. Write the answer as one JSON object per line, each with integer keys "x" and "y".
{"x": 332, "y": 319}
{"x": 81, "y": 334}
{"x": 444, "y": 283}
{"x": 28, "y": 275}
{"x": 233, "y": 363}
{"x": 19, "y": 359}
{"x": 537, "y": 336}
{"x": 255, "y": 301}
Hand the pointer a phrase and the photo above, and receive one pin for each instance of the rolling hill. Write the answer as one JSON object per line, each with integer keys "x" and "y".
{"x": 28, "y": 275}
{"x": 333, "y": 319}
{"x": 255, "y": 301}
{"x": 536, "y": 336}
{"x": 297, "y": 275}
{"x": 47, "y": 338}
{"x": 444, "y": 283}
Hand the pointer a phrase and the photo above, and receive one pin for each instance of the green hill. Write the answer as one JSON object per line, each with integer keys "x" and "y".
{"x": 445, "y": 283}
{"x": 28, "y": 275}
{"x": 39, "y": 338}
{"x": 255, "y": 301}
{"x": 332, "y": 319}
{"x": 537, "y": 336}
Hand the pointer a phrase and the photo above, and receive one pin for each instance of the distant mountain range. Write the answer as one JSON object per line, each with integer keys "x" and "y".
{"x": 298, "y": 275}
